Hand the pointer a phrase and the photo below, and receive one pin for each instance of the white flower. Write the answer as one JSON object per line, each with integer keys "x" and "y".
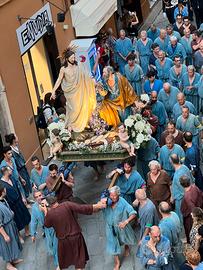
{"x": 140, "y": 138}
{"x": 133, "y": 134}
{"x": 137, "y": 145}
{"x": 140, "y": 125}
{"x": 145, "y": 98}
{"x": 129, "y": 122}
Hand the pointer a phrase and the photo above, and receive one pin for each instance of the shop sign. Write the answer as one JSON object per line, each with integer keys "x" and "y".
{"x": 34, "y": 28}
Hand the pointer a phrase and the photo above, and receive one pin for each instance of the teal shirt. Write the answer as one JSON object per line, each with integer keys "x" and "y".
{"x": 163, "y": 70}
{"x": 37, "y": 219}
{"x": 192, "y": 124}
{"x": 130, "y": 185}
{"x": 177, "y": 190}
{"x": 164, "y": 157}
{"x": 116, "y": 237}
{"x": 169, "y": 100}
{"x": 171, "y": 228}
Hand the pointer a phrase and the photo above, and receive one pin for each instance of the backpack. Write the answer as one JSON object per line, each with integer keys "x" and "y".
{"x": 40, "y": 119}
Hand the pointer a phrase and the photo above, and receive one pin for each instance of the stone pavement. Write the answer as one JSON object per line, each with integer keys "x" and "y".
{"x": 88, "y": 189}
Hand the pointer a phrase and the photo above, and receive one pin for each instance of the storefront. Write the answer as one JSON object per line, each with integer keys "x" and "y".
{"x": 39, "y": 52}
{"x": 29, "y": 65}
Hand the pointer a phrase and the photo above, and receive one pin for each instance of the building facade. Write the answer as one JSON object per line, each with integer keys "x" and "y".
{"x": 31, "y": 41}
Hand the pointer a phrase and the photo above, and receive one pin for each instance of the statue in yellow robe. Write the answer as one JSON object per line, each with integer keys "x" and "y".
{"x": 118, "y": 96}
{"x": 79, "y": 90}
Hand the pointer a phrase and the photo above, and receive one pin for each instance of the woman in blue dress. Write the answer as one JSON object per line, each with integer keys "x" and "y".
{"x": 144, "y": 45}
{"x": 14, "y": 198}
{"x": 12, "y": 139}
{"x": 134, "y": 74}
{"x": 10, "y": 246}
{"x": 189, "y": 85}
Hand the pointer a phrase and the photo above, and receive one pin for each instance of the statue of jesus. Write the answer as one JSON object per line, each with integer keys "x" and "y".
{"x": 79, "y": 90}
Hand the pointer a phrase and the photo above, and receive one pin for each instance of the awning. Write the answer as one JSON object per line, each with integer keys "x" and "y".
{"x": 88, "y": 16}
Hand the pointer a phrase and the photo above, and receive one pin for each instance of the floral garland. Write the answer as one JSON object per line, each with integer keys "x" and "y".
{"x": 139, "y": 130}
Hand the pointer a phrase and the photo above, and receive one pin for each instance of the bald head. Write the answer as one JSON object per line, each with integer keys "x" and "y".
{"x": 163, "y": 33}
{"x": 155, "y": 234}
{"x": 164, "y": 208}
{"x": 181, "y": 99}
{"x": 143, "y": 35}
{"x": 122, "y": 34}
{"x": 167, "y": 87}
{"x": 140, "y": 195}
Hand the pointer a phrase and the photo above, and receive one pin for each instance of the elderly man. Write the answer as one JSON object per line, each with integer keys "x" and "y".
{"x": 177, "y": 108}
{"x": 128, "y": 180}
{"x": 170, "y": 227}
{"x": 158, "y": 184}
{"x": 189, "y": 122}
{"x": 168, "y": 96}
{"x": 176, "y": 49}
{"x": 177, "y": 71}
{"x": 72, "y": 249}
{"x": 155, "y": 251}
{"x": 177, "y": 190}
{"x": 169, "y": 224}
{"x": 162, "y": 40}
{"x": 147, "y": 212}
{"x": 186, "y": 42}
{"x": 37, "y": 218}
{"x": 192, "y": 198}
{"x": 118, "y": 229}
{"x": 159, "y": 110}
{"x": 153, "y": 32}
{"x": 166, "y": 151}
{"x": 144, "y": 51}
{"x": 163, "y": 65}
{"x": 123, "y": 48}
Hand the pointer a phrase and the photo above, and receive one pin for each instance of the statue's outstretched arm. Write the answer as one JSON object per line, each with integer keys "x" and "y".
{"x": 58, "y": 82}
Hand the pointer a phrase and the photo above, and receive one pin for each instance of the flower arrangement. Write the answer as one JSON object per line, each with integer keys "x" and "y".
{"x": 83, "y": 148}
{"x": 144, "y": 98}
{"x": 139, "y": 130}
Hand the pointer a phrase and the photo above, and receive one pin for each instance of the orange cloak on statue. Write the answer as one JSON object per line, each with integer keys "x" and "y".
{"x": 110, "y": 107}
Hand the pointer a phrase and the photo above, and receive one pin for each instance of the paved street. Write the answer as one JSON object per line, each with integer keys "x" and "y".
{"x": 87, "y": 189}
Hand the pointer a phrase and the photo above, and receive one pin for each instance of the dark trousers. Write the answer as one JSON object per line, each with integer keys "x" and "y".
{"x": 199, "y": 16}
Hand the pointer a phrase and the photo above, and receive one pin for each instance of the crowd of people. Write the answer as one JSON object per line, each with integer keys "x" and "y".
{"x": 162, "y": 196}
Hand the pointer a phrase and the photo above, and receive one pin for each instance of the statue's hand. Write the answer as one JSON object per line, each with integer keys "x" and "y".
{"x": 53, "y": 96}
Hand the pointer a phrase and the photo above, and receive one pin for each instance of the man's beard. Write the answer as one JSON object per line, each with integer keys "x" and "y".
{"x": 106, "y": 77}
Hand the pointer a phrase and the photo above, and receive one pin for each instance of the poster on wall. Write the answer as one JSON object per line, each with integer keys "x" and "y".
{"x": 34, "y": 28}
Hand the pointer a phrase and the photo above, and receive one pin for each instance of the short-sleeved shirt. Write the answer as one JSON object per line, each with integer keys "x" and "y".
{"x": 49, "y": 112}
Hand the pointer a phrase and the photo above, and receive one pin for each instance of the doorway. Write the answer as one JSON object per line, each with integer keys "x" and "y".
{"x": 41, "y": 67}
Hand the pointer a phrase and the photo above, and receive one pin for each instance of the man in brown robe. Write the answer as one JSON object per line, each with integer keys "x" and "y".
{"x": 193, "y": 197}
{"x": 72, "y": 249}
{"x": 64, "y": 192}
{"x": 177, "y": 134}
